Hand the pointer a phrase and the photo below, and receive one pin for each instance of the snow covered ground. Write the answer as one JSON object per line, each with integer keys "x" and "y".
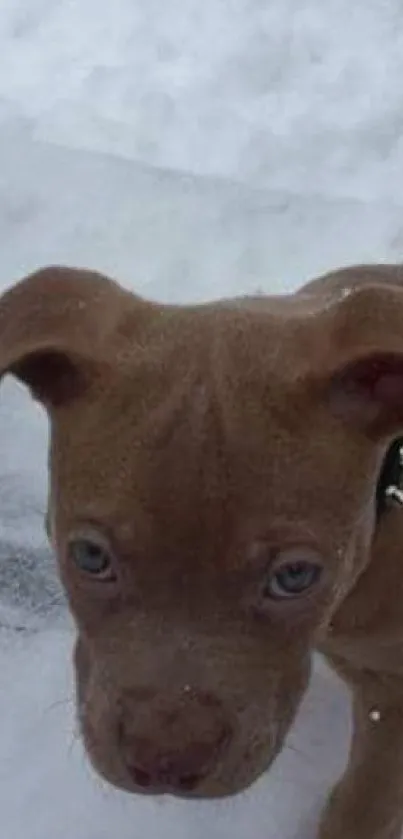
{"x": 192, "y": 150}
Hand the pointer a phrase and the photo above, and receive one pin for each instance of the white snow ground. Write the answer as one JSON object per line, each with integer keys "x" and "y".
{"x": 191, "y": 149}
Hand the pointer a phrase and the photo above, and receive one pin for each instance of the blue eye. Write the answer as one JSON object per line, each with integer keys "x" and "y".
{"x": 292, "y": 577}
{"x": 92, "y": 558}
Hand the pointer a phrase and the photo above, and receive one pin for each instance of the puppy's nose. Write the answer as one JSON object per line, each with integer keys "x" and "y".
{"x": 176, "y": 771}
{"x": 171, "y": 746}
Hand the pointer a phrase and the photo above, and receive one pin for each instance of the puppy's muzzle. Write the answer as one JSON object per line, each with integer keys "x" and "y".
{"x": 173, "y": 746}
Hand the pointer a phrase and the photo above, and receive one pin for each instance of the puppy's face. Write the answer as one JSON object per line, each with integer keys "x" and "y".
{"x": 213, "y": 472}
{"x": 206, "y": 527}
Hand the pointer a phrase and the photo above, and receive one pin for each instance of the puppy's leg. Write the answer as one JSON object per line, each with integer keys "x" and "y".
{"x": 367, "y": 803}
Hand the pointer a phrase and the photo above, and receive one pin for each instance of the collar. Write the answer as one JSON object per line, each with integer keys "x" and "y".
{"x": 389, "y": 490}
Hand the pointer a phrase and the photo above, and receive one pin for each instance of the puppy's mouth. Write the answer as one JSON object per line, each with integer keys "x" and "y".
{"x": 145, "y": 784}
{"x": 192, "y": 788}
{"x": 130, "y": 775}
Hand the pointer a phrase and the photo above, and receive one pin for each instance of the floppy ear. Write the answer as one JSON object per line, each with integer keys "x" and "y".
{"x": 53, "y": 326}
{"x": 363, "y": 354}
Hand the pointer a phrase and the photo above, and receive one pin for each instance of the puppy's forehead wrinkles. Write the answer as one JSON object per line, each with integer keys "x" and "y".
{"x": 169, "y": 441}
{"x": 172, "y": 421}
{"x": 228, "y": 353}
{"x": 181, "y": 407}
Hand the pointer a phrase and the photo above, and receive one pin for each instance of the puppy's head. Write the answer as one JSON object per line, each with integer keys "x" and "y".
{"x": 212, "y": 482}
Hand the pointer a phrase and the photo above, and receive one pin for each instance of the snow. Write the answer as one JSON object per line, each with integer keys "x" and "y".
{"x": 192, "y": 150}
{"x": 284, "y": 95}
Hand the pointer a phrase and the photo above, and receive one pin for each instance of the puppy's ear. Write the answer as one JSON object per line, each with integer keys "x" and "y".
{"x": 53, "y": 327}
{"x": 363, "y": 354}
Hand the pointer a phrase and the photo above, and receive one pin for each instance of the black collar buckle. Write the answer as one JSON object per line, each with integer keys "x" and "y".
{"x": 389, "y": 491}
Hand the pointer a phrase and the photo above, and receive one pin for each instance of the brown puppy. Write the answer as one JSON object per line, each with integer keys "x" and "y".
{"x": 212, "y": 505}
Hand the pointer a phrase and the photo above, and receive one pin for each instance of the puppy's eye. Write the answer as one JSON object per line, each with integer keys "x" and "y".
{"x": 293, "y": 576}
{"x": 92, "y": 558}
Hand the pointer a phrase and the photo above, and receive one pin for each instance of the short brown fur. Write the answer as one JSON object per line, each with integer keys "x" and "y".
{"x": 199, "y": 446}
